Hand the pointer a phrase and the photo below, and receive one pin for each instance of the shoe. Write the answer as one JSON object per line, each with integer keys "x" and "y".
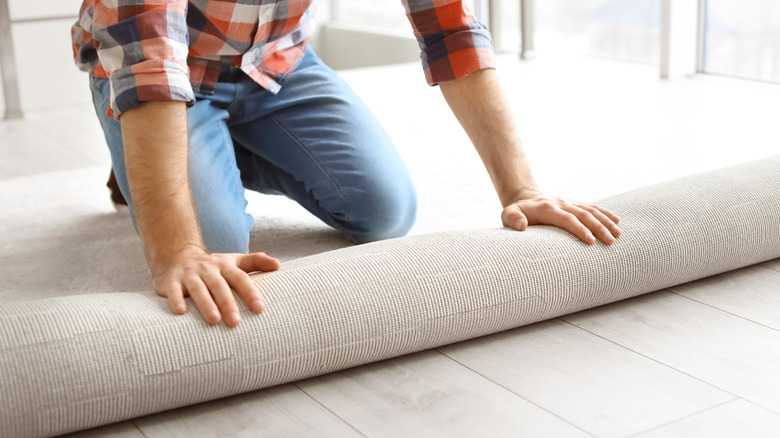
{"x": 116, "y": 195}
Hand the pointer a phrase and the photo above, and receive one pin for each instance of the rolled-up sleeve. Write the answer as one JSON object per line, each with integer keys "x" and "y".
{"x": 143, "y": 47}
{"x": 452, "y": 41}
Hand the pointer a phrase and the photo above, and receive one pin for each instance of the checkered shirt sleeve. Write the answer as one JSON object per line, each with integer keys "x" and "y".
{"x": 453, "y": 42}
{"x": 142, "y": 46}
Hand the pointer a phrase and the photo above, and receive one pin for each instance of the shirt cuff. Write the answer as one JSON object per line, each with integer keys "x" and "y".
{"x": 154, "y": 80}
{"x": 457, "y": 53}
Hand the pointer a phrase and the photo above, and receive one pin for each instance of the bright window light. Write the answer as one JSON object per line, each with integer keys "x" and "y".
{"x": 742, "y": 39}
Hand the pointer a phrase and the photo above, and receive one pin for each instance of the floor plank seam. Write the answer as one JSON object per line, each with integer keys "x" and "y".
{"x": 771, "y": 268}
{"x": 685, "y": 417}
{"x": 762, "y": 407}
{"x": 138, "y": 428}
{"x": 295, "y": 384}
{"x": 722, "y": 310}
{"x": 516, "y": 394}
{"x": 653, "y": 359}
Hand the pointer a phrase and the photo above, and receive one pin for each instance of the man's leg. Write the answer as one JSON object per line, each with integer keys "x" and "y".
{"x": 214, "y": 179}
{"x": 316, "y": 142}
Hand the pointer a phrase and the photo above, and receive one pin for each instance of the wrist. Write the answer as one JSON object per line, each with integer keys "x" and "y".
{"x": 159, "y": 260}
{"x": 519, "y": 195}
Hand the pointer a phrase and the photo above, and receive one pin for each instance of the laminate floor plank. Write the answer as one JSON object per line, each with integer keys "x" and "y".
{"x": 430, "y": 395}
{"x": 752, "y": 293}
{"x": 25, "y": 150}
{"x": 5, "y": 174}
{"x": 75, "y": 128}
{"x": 738, "y": 418}
{"x": 727, "y": 351}
{"x": 772, "y": 264}
{"x": 282, "y": 411}
{"x": 585, "y": 379}
{"x": 125, "y": 429}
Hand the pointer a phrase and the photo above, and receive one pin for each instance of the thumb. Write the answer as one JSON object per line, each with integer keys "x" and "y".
{"x": 513, "y": 217}
{"x": 257, "y": 261}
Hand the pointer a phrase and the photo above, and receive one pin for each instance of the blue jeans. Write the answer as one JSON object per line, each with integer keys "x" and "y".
{"x": 315, "y": 142}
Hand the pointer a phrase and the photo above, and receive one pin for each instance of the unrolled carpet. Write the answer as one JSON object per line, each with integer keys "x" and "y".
{"x": 74, "y": 362}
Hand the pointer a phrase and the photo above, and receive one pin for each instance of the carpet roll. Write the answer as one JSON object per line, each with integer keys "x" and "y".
{"x": 77, "y": 362}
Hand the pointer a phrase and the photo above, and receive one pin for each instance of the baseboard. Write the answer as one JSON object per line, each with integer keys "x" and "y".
{"x": 345, "y": 46}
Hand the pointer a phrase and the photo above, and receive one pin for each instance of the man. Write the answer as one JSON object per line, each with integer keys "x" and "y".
{"x": 201, "y": 99}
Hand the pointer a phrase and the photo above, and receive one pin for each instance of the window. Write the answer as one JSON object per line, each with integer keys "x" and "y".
{"x": 619, "y": 29}
{"x": 742, "y": 38}
{"x": 738, "y": 38}
{"x": 384, "y": 14}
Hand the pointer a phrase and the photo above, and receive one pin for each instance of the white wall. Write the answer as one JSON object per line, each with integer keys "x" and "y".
{"x": 27, "y": 9}
{"x": 42, "y": 48}
{"x": 345, "y": 46}
{"x": 44, "y": 61}
{"x": 2, "y": 101}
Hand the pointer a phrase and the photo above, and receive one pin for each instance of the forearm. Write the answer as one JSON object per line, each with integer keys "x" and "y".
{"x": 155, "y": 143}
{"x": 481, "y": 107}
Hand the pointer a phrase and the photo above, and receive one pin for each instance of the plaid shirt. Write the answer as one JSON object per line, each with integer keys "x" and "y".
{"x": 167, "y": 50}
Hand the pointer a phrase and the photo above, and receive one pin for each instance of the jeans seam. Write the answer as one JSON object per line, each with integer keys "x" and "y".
{"x": 228, "y": 139}
{"x": 322, "y": 168}
{"x": 233, "y": 100}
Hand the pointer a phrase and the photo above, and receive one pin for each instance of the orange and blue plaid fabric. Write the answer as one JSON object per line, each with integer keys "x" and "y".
{"x": 169, "y": 49}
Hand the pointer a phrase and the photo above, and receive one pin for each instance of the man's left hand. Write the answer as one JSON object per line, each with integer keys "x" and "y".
{"x": 586, "y": 221}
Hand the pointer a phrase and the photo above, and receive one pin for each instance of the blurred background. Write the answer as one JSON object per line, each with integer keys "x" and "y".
{"x": 736, "y": 38}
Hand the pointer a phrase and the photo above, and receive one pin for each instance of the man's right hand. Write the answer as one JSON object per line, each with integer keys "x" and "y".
{"x": 155, "y": 140}
{"x": 207, "y": 278}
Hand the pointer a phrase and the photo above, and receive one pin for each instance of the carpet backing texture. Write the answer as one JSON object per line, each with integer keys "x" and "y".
{"x": 73, "y": 362}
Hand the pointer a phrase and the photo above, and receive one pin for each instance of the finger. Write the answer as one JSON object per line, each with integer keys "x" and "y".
{"x": 514, "y": 218}
{"x": 175, "y": 294}
{"x": 203, "y": 300}
{"x": 257, "y": 261}
{"x": 223, "y": 297}
{"x": 569, "y": 222}
{"x": 593, "y": 224}
{"x": 612, "y": 216}
{"x": 604, "y": 219}
{"x": 240, "y": 282}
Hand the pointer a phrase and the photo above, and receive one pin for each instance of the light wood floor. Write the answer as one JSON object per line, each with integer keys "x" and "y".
{"x": 701, "y": 359}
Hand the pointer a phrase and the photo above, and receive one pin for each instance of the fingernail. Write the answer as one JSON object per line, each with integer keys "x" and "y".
{"x": 590, "y": 236}
{"x": 258, "y": 306}
{"x": 232, "y": 318}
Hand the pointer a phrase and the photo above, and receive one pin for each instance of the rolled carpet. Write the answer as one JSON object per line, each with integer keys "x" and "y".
{"x": 76, "y": 362}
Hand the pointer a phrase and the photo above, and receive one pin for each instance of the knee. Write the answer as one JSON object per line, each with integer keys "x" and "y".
{"x": 379, "y": 216}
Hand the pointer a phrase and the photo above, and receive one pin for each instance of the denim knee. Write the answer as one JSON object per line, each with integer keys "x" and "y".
{"x": 378, "y": 216}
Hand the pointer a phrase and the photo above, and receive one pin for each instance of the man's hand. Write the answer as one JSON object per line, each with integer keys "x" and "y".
{"x": 483, "y": 110}
{"x": 583, "y": 220}
{"x": 207, "y": 278}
